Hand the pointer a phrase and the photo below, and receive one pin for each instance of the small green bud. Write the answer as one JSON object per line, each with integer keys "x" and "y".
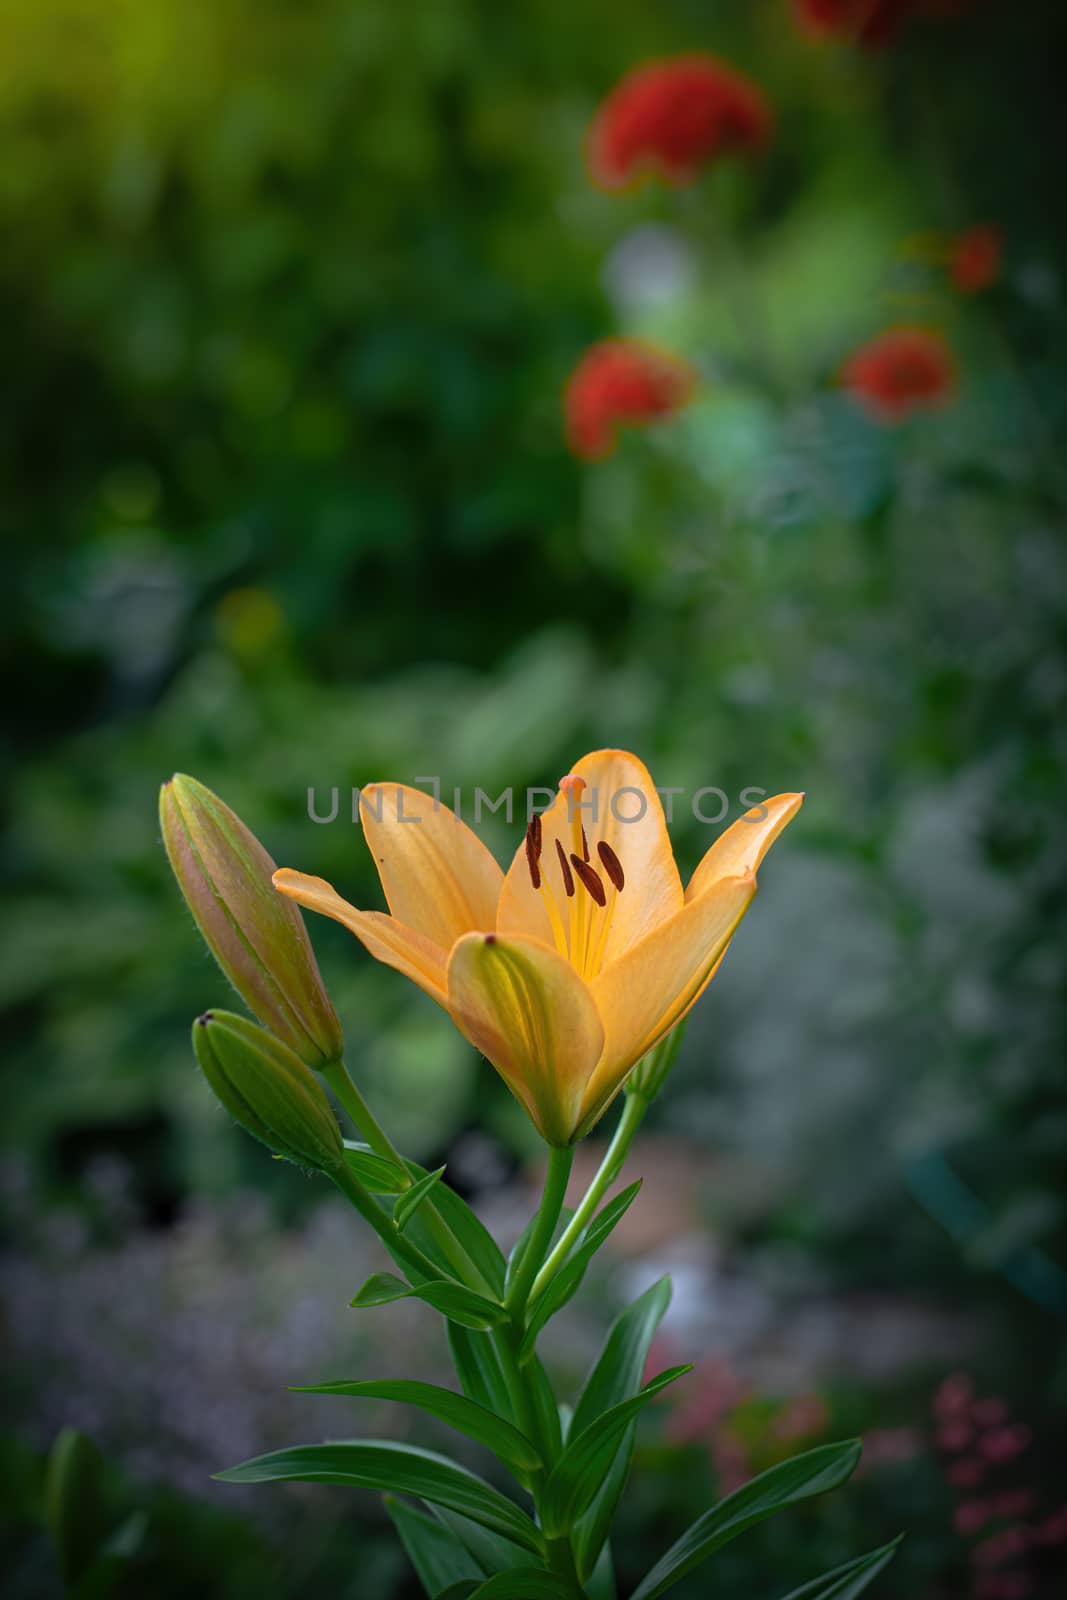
{"x": 256, "y": 935}
{"x": 268, "y": 1090}
{"x": 653, "y": 1069}
{"x": 72, "y": 1502}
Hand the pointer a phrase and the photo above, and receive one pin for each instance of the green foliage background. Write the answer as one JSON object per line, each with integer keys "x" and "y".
{"x": 289, "y": 295}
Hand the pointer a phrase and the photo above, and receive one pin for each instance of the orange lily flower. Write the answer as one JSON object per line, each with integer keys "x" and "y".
{"x": 569, "y": 967}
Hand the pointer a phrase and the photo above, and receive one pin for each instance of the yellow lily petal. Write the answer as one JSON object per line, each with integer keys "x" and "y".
{"x": 744, "y": 844}
{"x": 387, "y": 940}
{"x": 527, "y": 1009}
{"x": 620, "y": 807}
{"x": 642, "y": 996}
{"x": 438, "y": 876}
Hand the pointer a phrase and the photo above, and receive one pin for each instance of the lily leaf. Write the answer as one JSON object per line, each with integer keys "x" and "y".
{"x": 525, "y": 1583}
{"x": 490, "y": 1552}
{"x": 466, "y": 1416}
{"x": 401, "y": 1468}
{"x": 436, "y": 1554}
{"x": 478, "y": 1368}
{"x": 477, "y": 1242}
{"x": 845, "y": 1582}
{"x": 579, "y": 1472}
{"x": 800, "y": 1478}
{"x": 618, "y": 1369}
{"x": 453, "y": 1300}
{"x": 615, "y": 1376}
{"x": 521, "y": 1583}
{"x": 373, "y": 1171}
{"x": 568, "y": 1280}
{"x": 409, "y": 1202}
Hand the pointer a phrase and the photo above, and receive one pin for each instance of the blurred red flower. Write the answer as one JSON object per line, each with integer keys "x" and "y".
{"x": 621, "y": 381}
{"x": 672, "y": 117}
{"x": 872, "y": 22}
{"x": 902, "y": 371}
{"x": 974, "y": 258}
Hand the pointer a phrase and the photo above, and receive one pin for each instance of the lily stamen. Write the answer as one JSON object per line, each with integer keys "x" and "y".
{"x": 533, "y": 850}
{"x": 611, "y": 864}
{"x": 591, "y": 879}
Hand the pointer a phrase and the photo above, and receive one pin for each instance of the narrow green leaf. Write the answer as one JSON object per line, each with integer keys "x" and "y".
{"x": 844, "y": 1583}
{"x": 615, "y": 1376}
{"x": 800, "y": 1478}
{"x": 578, "y": 1474}
{"x": 409, "y": 1202}
{"x": 490, "y": 1552}
{"x": 477, "y": 1242}
{"x": 600, "y": 1585}
{"x": 402, "y": 1468}
{"x": 466, "y": 1416}
{"x": 373, "y": 1171}
{"x": 546, "y": 1409}
{"x": 478, "y": 1369}
{"x": 522, "y": 1243}
{"x": 436, "y": 1554}
{"x": 568, "y": 1280}
{"x": 453, "y": 1300}
{"x": 72, "y": 1503}
{"x": 525, "y": 1583}
{"x": 620, "y": 1365}
{"x": 589, "y": 1539}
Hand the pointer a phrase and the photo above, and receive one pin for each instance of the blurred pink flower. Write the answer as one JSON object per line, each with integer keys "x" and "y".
{"x": 1001, "y": 1547}
{"x": 1004, "y": 1444}
{"x": 971, "y": 1515}
{"x": 954, "y": 1436}
{"x": 953, "y": 1397}
{"x": 966, "y": 1474}
{"x": 714, "y": 1389}
{"x": 803, "y": 1416}
{"x": 989, "y": 1413}
{"x": 887, "y": 1446}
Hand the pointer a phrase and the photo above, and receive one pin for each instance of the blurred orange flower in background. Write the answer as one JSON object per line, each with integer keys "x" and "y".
{"x": 902, "y": 371}
{"x": 621, "y": 381}
{"x": 673, "y": 117}
{"x": 975, "y": 258}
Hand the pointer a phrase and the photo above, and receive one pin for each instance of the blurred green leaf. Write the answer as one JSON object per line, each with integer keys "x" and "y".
{"x": 813, "y": 1473}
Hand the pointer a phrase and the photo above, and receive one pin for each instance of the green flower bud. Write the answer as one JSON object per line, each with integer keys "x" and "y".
{"x": 256, "y": 935}
{"x": 653, "y": 1069}
{"x": 268, "y": 1090}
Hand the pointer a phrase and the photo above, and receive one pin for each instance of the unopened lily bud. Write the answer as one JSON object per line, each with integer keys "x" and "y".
{"x": 256, "y": 935}
{"x": 268, "y": 1090}
{"x": 653, "y": 1070}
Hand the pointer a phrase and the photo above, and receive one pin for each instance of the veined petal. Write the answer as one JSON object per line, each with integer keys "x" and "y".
{"x": 745, "y": 843}
{"x": 386, "y": 939}
{"x": 641, "y": 996}
{"x": 438, "y": 876}
{"x": 527, "y": 1009}
{"x": 620, "y": 806}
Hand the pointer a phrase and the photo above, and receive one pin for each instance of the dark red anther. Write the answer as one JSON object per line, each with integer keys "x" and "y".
{"x": 585, "y": 845}
{"x": 591, "y": 878}
{"x": 568, "y": 876}
{"x": 611, "y": 864}
{"x": 533, "y": 851}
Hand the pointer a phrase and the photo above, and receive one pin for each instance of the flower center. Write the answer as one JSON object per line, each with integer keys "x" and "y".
{"x": 581, "y": 917}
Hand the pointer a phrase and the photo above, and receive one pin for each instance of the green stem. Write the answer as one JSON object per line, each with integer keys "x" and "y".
{"x": 341, "y": 1082}
{"x": 343, "y": 1085}
{"x": 396, "y": 1242}
{"x": 633, "y": 1111}
{"x": 559, "y": 1170}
